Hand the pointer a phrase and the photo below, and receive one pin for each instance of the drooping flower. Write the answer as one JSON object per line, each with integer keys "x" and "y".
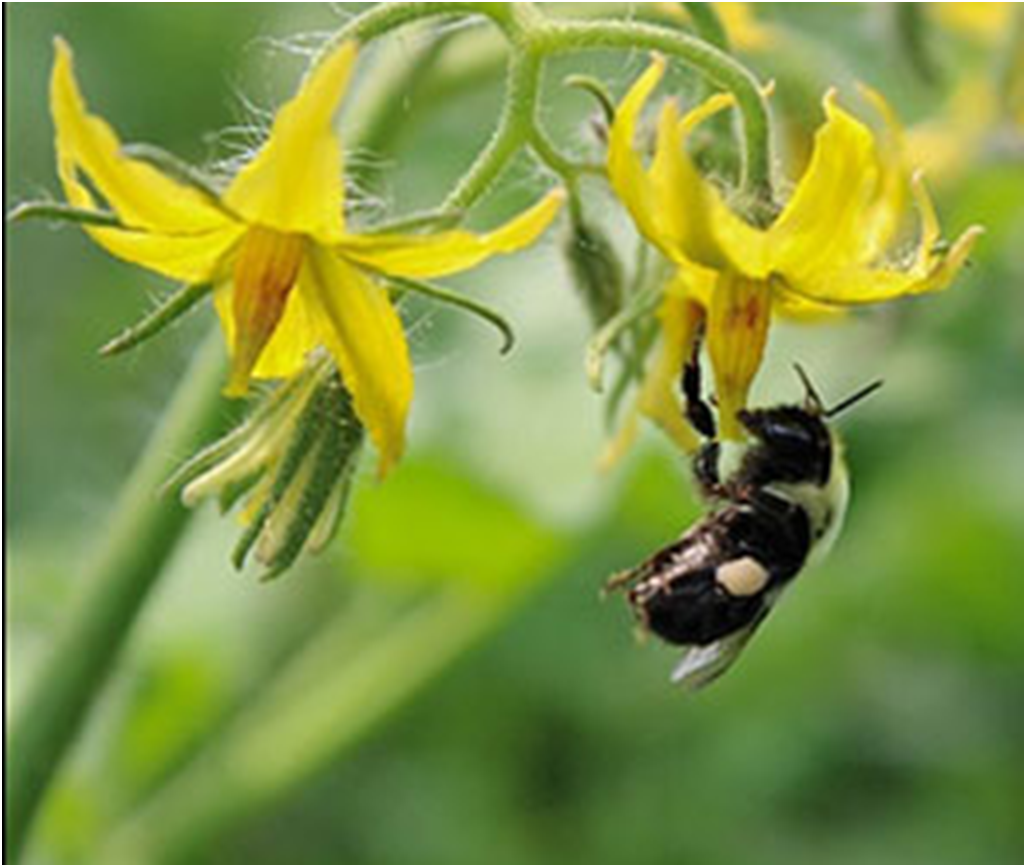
{"x": 830, "y": 247}
{"x": 288, "y": 276}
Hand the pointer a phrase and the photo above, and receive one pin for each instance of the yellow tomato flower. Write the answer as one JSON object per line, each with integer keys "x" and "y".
{"x": 947, "y": 145}
{"x": 288, "y": 276}
{"x": 986, "y": 21}
{"x": 745, "y": 31}
{"x": 829, "y": 247}
{"x": 984, "y": 106}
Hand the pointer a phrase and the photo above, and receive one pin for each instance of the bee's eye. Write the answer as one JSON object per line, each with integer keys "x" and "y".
{"x": 785, "y": 434}
{"x": 786, "y": 428}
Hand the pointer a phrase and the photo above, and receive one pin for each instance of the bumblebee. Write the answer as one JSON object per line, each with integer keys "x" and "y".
{"x": 776, "y": 503}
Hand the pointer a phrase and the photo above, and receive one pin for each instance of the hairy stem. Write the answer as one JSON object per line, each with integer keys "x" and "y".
{"x": 719, "y": 68}
{"x": 707, "y": 24}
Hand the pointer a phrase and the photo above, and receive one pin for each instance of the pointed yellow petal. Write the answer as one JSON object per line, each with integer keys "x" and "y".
{"x": 626, "y": 170}
{"x": 738, "y": 329}
{"x": 703, "y": 227}
{"x": 671, "y": 204}
{"x": 797, "y": 308}
{"x": 932, "y": 269}
{"x": 421, "y": 256}
{"x": 298, "y": 333}
{"x": 175, "y": 231}
{"x": 659, "y": 398}
{"x": 362, "y": 330}
{"x": 888, "y": 210}
{"x": 141, "y": 196}
{"x": 822, "y": 228}
{"x": 198, "y": 258}
{"x": 745, "y": 31}
{"x": 294, "y": 184}
{"x": 988, "y": 22}
{"x": 265, "y": 274}
{"x": 616, "y": 449}
{"x": 861, "y": 286}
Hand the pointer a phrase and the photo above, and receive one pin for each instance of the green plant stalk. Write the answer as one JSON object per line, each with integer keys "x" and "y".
{"x": 132, "y": 552}
{"x": 533, "y": 37}
{"x": 319, "y": 706}
{"x": 719, "y": 68}
{"x": 386, "y": 17}
{"x": 707, "y": 24}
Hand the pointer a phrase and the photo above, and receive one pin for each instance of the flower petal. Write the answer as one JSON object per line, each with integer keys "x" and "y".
{"x": 174, "y": 230}
{"x": 421, "y": 256}
{"x": 694, "y": 213}
{"x": 362, "y": 330}
{"x": 294, "y": 184}
{"x": 739, "y": 321}
{"x": 297, "y": 335}
{"x": 189, "y": 258}
{"x": 745, "y": 31}
{"x": 265, "y": 274}
{"x": 141, "y": 196}
{"x": 822, "y": 228}
{"x": 888, "y": 210}
{"x": 673, "y": 206}
{"x": 658, "y": 397}
{"x": 932, "y": 269}
{"x": 988, "y": 22}
{"x": 627, "y": 173}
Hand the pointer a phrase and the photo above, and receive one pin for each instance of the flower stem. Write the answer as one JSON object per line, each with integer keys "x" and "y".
{"x": 719, "y": 68}
{"x": 707, "y": 24}
{"x": 386, "y": 17}
{"x": 533, "y": 36}
{"x": 138, "y": 541}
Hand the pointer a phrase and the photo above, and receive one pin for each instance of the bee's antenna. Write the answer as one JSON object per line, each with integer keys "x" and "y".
{"x": 858, "y": 397}
{"x": 812, "y": 398}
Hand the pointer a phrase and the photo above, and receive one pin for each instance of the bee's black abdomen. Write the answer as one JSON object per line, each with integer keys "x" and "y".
{"x": 698, "y": 610}
{"x": 722, "y": 575}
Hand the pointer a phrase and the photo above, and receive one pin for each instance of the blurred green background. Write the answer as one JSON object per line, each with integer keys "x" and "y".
{"x": 876, "y": 718}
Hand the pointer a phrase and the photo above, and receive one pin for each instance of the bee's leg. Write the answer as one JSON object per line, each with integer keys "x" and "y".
{"x": 705, "y": 467}
{"x": 698, "y": 413}
{"x": 627, "y": 577}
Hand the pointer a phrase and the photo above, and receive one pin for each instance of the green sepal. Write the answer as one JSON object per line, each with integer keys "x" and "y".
{"x": 61, "y": 213}
{"x": 170, "y": 308}
{"x": 638, "y": 306}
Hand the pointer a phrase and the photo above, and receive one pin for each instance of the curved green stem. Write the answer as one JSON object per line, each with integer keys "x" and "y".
{"x": 707, "y": 24}
{"x": 721, "y": 69}
{"x": 134, "y": 548}
{"x": 386, "y": 17}
{"x": 533, "y": 37}
{"x": 509, "y": 137}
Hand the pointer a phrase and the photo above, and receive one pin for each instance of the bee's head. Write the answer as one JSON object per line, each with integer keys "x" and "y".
{"x": 794, "y": 442}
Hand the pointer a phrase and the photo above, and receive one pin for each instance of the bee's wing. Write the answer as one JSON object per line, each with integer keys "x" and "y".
{"x": 701, "y": 665}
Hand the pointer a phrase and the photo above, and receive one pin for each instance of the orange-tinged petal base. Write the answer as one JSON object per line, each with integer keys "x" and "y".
{"x": 265, "y": 272}
{"x": 739, "y": 321}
